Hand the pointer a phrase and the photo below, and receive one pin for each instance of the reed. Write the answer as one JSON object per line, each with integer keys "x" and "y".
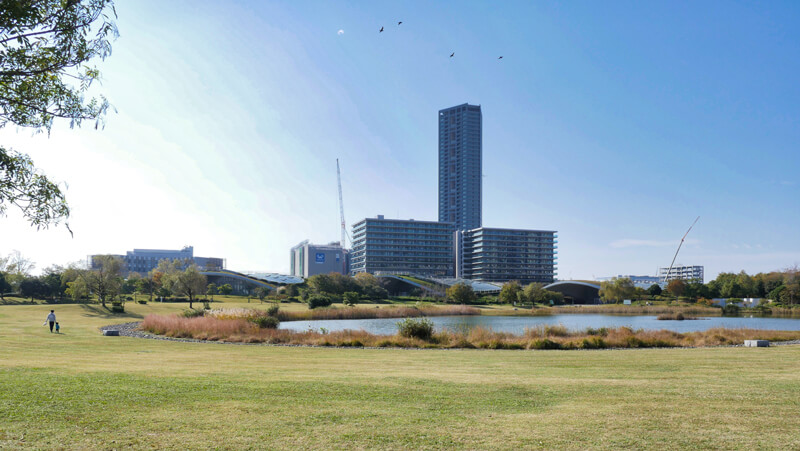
{"x": 540, "y": 337}
{"x": 371, "y": 313}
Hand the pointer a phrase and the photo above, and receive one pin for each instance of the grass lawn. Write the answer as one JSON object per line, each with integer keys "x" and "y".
{"x": 82, "y": 390}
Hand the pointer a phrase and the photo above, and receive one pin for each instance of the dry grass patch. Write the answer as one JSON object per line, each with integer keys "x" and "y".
{"x": 540, "y": 337}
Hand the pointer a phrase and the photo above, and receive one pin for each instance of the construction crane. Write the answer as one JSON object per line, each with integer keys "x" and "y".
{"x": 341, "y": 204}
{"x": 669, "y": 271}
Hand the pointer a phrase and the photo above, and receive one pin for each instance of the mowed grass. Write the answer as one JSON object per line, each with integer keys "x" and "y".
{"x": 83, "y": 390}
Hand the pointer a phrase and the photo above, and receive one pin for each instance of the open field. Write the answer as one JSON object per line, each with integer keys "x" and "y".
{"x": 82, "y": 390}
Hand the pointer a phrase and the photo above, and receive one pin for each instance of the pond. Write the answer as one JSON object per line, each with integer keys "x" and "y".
{"x": 517, "y": 324}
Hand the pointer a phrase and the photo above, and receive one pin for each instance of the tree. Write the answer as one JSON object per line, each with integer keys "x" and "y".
{"x": 261, "y": 293}
{"x": 106, "y": 280}
{"x": 211, "y": 289}
{"x": 509, "y": 294}
{"x": 32, "y": 287}
{"x": 17, "y": 267}
{"x": 351, "y": 298}
{"x": 5, "y": 286}
{"x": 44, "y": 48}
{"x": 461, "y": 293}
{"x": 225, "y": 289}
{"x": 676, "y": 287}
{"x": 534, "y": 292}
{"x": 617, "y": 289}
{"x": 654, "y": 290}
{"x": 188, "y": 282}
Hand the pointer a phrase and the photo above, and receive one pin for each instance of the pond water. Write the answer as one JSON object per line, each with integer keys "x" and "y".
{"x": 517, "y": 324}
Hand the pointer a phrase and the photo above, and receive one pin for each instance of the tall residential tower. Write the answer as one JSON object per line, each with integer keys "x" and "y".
{"x": 460, "y": 149}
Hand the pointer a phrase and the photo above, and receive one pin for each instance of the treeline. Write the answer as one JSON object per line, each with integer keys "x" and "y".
{"x": 104, "y": 281}
{"x": 781, "y": 287}
{"x": 322, "y": 290}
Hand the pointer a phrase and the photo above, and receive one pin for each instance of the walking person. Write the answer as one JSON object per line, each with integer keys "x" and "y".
{"x": 51, "y": 318}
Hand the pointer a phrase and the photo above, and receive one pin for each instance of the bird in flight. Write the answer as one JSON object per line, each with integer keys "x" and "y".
{"x": 500, "y": 58}
{"x": 452, "y": 54}
{"x": 400, "y": 23}
{"x": 381, "y": 30}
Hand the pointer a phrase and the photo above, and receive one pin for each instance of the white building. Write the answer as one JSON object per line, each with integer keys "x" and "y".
{"x": 693, "y": 273}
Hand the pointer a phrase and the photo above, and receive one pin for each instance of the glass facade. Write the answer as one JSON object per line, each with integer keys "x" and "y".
{"x": 392, "y": 246}
{"x": 460, "y": 153}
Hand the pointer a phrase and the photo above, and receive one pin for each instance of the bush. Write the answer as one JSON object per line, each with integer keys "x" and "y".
{"x": 265, "y": 322}
{"x": 421, "y": 328}
{"x": 730, "y": 309}
{"x": 351, "y": 298}
{"x": 192, "y": 313}
{"x": 273, "y": 310}
{"x": 206, "y": 305}
{"x": 544, "y": 343}
{"x": 318, "y": 300}
{"x": 142, "y": 302}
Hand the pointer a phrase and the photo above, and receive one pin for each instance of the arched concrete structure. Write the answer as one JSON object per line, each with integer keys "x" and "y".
{"x": 241, "y": 283}
{"x": 577, "y": 291}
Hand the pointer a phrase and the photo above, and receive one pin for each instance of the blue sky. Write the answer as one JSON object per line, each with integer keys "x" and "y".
{"x": 615, "y": 123}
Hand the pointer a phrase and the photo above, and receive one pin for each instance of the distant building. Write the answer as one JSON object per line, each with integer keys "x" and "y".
{"x": 308, "y": 259}
{"x": 638, "y": 281}
{"x": 394, "y": 246}
{"x": 500, "y": 255}
{"x": 689, "y": 273}
{"x": 143, "y": 260}
{"x": 460, "y": 153}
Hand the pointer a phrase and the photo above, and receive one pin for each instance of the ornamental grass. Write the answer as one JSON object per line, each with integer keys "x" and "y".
{"x": 541, "y": 337}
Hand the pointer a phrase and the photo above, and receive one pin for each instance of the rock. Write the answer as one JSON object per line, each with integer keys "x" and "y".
{"x": 111, "y": 333}
{"x": 756, "y": 343}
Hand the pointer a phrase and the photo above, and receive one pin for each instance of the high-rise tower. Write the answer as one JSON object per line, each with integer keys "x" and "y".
{"x": 460, "y": 149}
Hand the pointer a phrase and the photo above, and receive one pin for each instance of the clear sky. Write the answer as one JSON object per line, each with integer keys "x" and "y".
{"x": 615, "y": 123}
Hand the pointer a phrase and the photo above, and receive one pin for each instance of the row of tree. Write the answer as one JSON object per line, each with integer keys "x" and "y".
{"x": 363, "y": 284}
{"x": 779, "y": 286}
{"x": 104, "y": 280}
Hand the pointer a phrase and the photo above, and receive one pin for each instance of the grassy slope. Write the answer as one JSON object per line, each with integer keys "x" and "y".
{"x": 80, "y": 389}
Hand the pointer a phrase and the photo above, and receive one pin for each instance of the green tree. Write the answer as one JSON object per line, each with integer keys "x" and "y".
{"x": 188, "y": 282}
{"x": 509, "y": 294}
{"x": 211, "y": 289}
{"x": 654, "y": 290}
{"x": 461, "y": 293}
{"x": 617, "y": 289}
{"x": 261, "y": 293}
{"x": 106, "y": 280}
{"x": 45, "y": 46}
{"x": 351, "y": 298}
{"x": 5, "y": 286}
{"x": 676, "y": 287}
{"x": 225, "y": 289}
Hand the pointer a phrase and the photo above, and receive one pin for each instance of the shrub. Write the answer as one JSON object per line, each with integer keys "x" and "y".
{"x": 730, "y": 309}
{"x": 351, "y": 298}
{"x": 544, "y": 343}
{"x": 206, "y": 305}
{"x": 421, "y": 328}
{"x": 192, "y": 313}
{"x": 265, "y": 322}
{"x": 318, "y": 300}
{"x": 273, "y": 310}
{"x": 142, "y": 301}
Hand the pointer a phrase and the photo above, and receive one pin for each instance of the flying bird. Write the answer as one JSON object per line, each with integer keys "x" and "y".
{"x": 381, "y": 30}
{"x": 452, "y": 54}
{"x": 400, "y": 23}
{"x": 500, "y": 58}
